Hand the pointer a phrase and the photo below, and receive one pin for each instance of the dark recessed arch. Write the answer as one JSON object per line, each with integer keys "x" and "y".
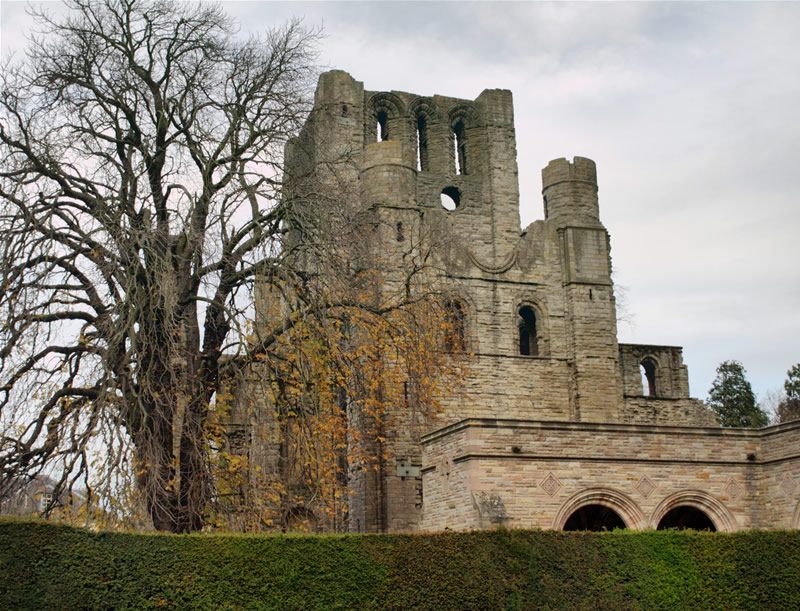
{"x": 528, "y": 335}
{"x": 384, "y": 112}
{"x": 685, "y": 517}
{"x": 720, "y": 516}
{"x": 424, "y": 115}
{"x": 627, "y": 510}
{"x": 648, "y": 367}
{"x": 461, "y": 118}
{"x": 594, "y": 518}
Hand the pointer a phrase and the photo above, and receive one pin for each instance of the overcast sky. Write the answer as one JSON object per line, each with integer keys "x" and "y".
{"x": 691, "y": 111}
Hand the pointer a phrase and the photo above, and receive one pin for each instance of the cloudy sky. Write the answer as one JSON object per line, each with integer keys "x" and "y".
{"x": 691, "y": 111}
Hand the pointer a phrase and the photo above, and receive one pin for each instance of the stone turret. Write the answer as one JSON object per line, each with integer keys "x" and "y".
{"x": 570, "y": 191}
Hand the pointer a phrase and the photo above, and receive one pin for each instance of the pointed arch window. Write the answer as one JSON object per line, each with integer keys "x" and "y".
{"x": 528, "y": 340}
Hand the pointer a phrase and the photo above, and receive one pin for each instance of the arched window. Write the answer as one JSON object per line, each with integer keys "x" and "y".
{"x": 595, "y": 518}
{"x": 648, "y": 370}
{"x": 422, "y": 144}
{"x": 686, "y": 516}
{"x": 459, "y": 142}
{"x": 382, "y": 128}
{"x": 455, "y": 325}
{"x": 528, "y": 341}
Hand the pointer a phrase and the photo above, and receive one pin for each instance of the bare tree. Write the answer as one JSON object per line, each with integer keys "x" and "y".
{"x": 139, "y": 199}
{"x": 142, "y": 203}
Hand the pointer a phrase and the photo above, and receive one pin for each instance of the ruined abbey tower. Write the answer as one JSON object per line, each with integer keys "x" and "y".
{"x": 558, "y": 424}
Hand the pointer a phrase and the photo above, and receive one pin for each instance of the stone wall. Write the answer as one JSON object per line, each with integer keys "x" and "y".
{"x": 535, "y": 474}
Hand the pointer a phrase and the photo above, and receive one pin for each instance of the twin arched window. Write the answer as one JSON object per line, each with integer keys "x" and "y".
{"x": 455, "y": 333}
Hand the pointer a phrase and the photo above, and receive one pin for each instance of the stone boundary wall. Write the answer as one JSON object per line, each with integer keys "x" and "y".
{"x": 480, "y": 473}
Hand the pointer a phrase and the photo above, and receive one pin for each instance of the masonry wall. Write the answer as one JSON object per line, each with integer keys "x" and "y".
{"x": 479, "y": 473}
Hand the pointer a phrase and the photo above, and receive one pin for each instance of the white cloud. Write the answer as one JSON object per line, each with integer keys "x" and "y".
{"x": 689, "y": 110}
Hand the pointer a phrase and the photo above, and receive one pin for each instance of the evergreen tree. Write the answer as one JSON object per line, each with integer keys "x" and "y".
{"x": 789, "y": 407}
{"x": 732, "y": 400}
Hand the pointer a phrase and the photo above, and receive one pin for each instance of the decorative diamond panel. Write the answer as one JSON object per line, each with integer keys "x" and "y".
{"x": 733, "y": 489}
{"x": 645, "y": 486}
{"x": 551, "y": 485}
{"x": 787, "y": 485}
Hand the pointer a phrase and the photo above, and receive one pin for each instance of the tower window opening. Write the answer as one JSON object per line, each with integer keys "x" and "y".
{"x": 528, "y": 342}
{"x": 460, "y": 151}
{"x": 455, "y": 326}
{"x": 648, "y": 370}
{"x": 382, "y": 128}
{"x": 422, "y": 144}
{"x": 451, "y": 198}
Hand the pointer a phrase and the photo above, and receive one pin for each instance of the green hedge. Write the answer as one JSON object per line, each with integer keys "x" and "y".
{"x": 47, "y": 566}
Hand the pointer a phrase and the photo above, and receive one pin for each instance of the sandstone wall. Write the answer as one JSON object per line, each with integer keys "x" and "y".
{"x": 538, "y": 473}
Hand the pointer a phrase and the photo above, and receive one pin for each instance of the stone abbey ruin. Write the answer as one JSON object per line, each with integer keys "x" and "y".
{"x": 558, "y": 426}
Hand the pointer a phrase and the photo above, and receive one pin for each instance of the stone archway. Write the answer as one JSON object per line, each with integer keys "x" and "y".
{"x": 627, "y": 510}
{"x": 685, "y": 517}
{"x": 594, "y": 518}
{"x": 719, "y": 515}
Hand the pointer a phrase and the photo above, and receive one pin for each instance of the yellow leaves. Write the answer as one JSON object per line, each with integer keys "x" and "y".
{"x": 339, "y": 390}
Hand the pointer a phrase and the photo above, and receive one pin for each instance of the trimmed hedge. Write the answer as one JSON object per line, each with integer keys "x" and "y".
{"x": 48, "y": 566}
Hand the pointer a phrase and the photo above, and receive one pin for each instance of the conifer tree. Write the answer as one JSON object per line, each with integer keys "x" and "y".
{"x": 731, "y": 398}
{"x": 789, "y": 407}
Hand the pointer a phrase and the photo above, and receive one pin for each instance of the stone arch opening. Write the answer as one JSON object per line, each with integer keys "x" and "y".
{"x": 685, "y": 517}
{"x": 594, "y": 518}
{"x": 648, "y": 368}
{"x": 622, "y": 506}
{"x": 462, "y": 118}
{"x": 384, "y": 118}
{"x": 719, "y": 515}
{"x": 382, "y": 126}
{"x": 300, "y": 519}
{"x": 528, "y": 338}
